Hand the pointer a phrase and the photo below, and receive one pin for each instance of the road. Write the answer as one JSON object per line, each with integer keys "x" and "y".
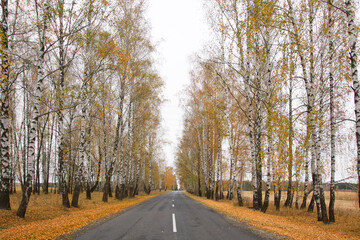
{"x": 169, "y": 216}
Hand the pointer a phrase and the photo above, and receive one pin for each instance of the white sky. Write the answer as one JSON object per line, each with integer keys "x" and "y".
{"x": 180, "y": 27}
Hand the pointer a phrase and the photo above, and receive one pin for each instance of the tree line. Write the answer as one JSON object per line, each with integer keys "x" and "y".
{"x": 273, "y": 89}
{"x": 80, "y": 101}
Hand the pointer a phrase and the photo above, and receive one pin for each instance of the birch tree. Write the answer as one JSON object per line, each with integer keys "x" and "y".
{"x": 350, "y": 14}
{"x": 42, "y": 24}
{"x": 4, "y": 109}
{"x": 332, "y": 117}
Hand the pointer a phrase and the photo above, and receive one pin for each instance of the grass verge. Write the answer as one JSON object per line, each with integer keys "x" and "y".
{"x": 299, "y": 226}
{"x": 47, "y": 219}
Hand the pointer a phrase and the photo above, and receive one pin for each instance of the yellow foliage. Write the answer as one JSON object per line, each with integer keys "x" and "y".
{"x": 105, "y": 2}
{"x": 169, "y": 178}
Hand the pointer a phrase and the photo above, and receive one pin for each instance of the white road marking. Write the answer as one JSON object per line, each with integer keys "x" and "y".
{"x": 173, "y": 205}
{"x": 174, "y": 223}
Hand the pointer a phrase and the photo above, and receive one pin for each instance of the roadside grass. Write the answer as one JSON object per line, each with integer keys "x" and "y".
{"x": 46, "y": 218}
{"x": 293, "y": 223}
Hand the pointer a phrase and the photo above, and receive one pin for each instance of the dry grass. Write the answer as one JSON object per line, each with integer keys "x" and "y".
{"x": 296, "y": 224}
{"x": 46, "y": 218}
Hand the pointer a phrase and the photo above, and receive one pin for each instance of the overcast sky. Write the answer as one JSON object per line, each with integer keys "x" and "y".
{"x": 180, "y": 29}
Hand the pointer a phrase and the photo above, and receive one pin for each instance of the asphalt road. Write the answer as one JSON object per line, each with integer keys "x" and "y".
{"x": 169, "y": 216}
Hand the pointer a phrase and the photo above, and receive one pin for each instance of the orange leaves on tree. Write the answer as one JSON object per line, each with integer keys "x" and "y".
{"x": 169, "y": 180}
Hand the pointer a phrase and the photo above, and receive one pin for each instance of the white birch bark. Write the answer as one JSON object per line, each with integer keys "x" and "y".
{"x": 314, "y": 133}
{"x": 230, "y": 149}
{"x": 60, "y": 101}
{"x": 127, "y": 165}
{"x": 316, "y": 130}
{"x": 289, "y": 198}
{"x": 355, "y": 79}
{"x": 138, "y": 168}
{"x": 306, "y": 181}
{"x": 132, "y": 157}
{"x": 251, "y": 124}
{"x": 4, "y": 111}
{"x": 85, "y": 98}
{"x": 218, "y": 166}
{"x": 203, "y": 155}
{"x": 42, "y": 25}
{"x": 332, "y": 115}
{"x": 308, "y": 80}
{"x": 150, "y": 168}
{"x": 297, "y": 177}
{"x": 122, "y": 152}
{"x": 209, "y": 163}
{"x": 200, "y": 160}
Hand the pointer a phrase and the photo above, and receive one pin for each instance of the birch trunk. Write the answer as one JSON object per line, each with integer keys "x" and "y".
{"x": 289, "y": 197}
{"x": 113, "y": 157}
{"x": 306, "y": 182}
{"x": 213, "y": 164}
{"x": 332, "y": 117}
{"x": 132, "y": 155}
{"x": 209, "y": 163}
{"x": 199, "y": 168}
{"x": 5, "y": 160}
{"x": 122, "y": 155}
{"x": 120, "y": 184}
{"x": 137, "y": 177}
{"x": 60, "y": 96}
{"x": 84, "y": 113}
{"x": 218, "y": 166}
{"x": 316, "y": 134}
{"x": 238, "y": 193}
{"x": 257, "y": 135}
{"x": 311, "y": 111}
{"x": 150, "y": 177}
{"x": 251, "y": 130}
{"x": 232, "y": 160}
{"x": 127, "y": 163}
{"x": 203, "y": 157}
{"x": 297, "y": 176}
{"x": 277, "y": 195}
{"x": 268, "y": 168}
{"x": 35, "y": 120}
{"x": 82, "y": 154}
{"x": 4, "y": 111}
{"x": 32, "y": 137}
{"x": 47, "y": 157}
{"x": 296, "y": 39}
{"x": 105, "y": 197}
{"x": 355, "y": 79}
{"x": 88, "y": 146}
{"x": 309, "y": 81}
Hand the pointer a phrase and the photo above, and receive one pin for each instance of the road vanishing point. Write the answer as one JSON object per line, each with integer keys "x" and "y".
{"x": 170, "y": 216}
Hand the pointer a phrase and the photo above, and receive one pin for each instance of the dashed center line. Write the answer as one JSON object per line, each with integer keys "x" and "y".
{"x": 174, "y": 223}
{"x": 173, "y": 205}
